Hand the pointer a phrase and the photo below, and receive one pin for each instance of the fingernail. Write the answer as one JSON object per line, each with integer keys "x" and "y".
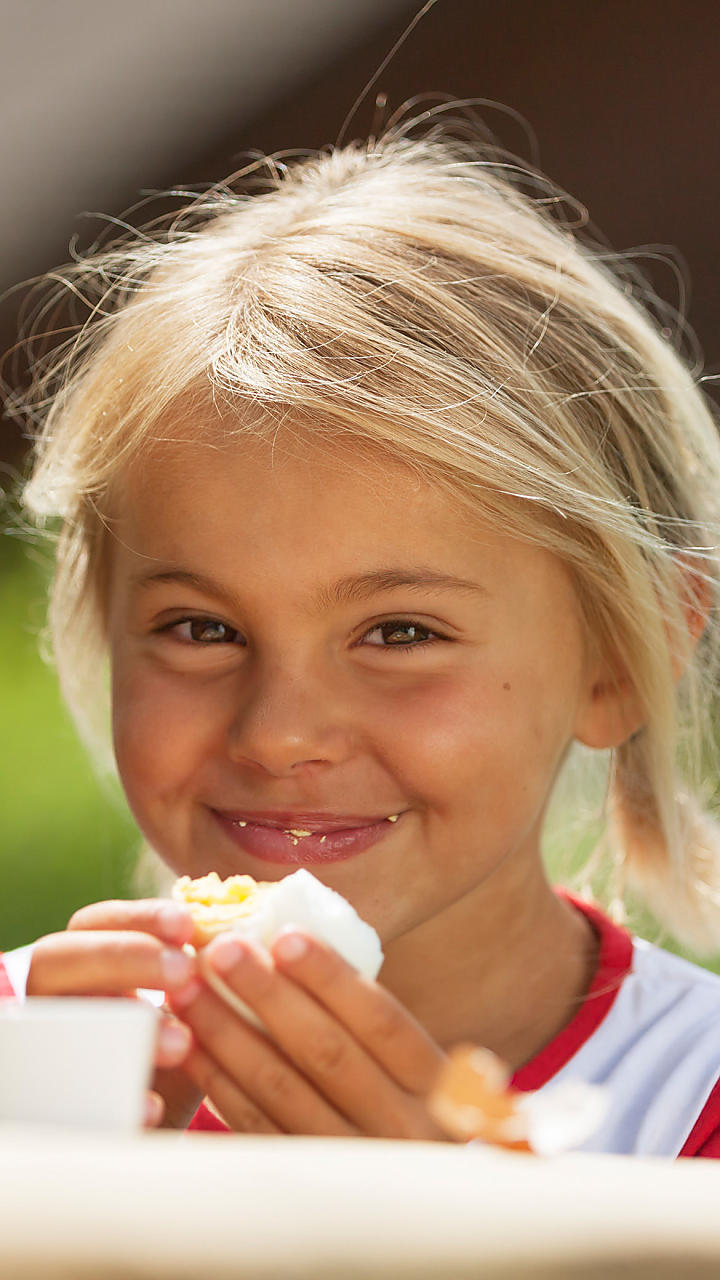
{"x": 185, "y": 996}
{"x": 177, "y": 967}
{"x": 290, "y": 946}
{"x": 225, "y": 954}
{"x": 174, "y": 1040}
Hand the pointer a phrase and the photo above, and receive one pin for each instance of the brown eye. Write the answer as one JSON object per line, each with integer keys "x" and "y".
{"x": 399, "y": 634}
{"x": 406, "y": 633}
{"x": 206, "y": 631}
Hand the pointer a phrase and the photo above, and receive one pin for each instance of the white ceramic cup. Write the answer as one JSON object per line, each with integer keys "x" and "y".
{"x": 82, "y": 1064}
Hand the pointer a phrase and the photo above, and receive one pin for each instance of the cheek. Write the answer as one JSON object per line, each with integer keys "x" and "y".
{"x": 487, "y": 746}
{"x": 159, "y": 734}
{"x": 443, "y": 737}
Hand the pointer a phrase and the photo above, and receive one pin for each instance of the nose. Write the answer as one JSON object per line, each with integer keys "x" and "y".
{"x": 287, "y": 718}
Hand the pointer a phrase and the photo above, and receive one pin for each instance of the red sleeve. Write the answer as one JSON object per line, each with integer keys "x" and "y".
{"x": 6, "y": 987}
{"x": 704, "y": 1140}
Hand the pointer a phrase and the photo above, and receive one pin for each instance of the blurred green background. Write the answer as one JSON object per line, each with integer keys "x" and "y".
{"x": 67, "y": 837}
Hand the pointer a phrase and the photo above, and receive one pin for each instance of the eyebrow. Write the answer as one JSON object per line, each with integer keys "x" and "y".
{"x": 348, "y": 590}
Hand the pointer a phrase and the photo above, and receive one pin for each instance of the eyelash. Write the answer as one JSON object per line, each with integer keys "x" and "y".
{"x": 394, "y": 624}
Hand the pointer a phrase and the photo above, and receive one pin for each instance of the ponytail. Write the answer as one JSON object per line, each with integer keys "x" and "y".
{"x": 665, "y": 846}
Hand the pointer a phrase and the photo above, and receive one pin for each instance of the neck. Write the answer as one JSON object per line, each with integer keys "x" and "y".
{"x": 505, "y": 967}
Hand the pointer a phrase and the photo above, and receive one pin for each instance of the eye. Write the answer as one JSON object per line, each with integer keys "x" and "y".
{"x": 401, "y": 633}
{"x": 204, "y": 631}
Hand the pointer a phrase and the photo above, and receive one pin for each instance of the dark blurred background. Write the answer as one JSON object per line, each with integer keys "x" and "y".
{"x": 100, "y": 102}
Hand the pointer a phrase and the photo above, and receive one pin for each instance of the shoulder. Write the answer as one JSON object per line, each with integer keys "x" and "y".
{"x": 655, "y": 967}
{"x": 676, "y": 1006}
{"x": 649, "y": 1031}
{"x": 664, "y": 991}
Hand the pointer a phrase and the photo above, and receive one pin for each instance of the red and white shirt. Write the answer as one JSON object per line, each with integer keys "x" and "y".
{"x": 648, "y": 1030}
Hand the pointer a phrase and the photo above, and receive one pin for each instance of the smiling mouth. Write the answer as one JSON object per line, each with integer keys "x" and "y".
{"x": 301, "y": 839}
{"x": 302, "y": 828}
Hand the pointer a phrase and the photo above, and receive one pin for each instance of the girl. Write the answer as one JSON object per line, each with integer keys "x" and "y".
{"x": 379, "y": 492}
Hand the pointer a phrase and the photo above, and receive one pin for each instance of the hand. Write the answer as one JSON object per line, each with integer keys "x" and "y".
{"x": 111, "y": 949}
{"x": 342, "y": 1057}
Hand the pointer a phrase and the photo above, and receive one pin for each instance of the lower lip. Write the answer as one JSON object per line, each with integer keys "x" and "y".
{"x": 273, "y": 845}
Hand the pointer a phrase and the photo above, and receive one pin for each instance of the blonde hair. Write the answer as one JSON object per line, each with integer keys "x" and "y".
{"x": 421, "y": 296}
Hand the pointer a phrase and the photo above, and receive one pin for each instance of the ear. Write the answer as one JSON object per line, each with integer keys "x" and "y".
{"x": 611, "y": 712}
{"x": 696, "y": 603}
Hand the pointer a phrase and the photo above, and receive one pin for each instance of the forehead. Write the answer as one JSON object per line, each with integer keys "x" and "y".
{"x": 289, "y": 490}
{"x": 286, "y": 518}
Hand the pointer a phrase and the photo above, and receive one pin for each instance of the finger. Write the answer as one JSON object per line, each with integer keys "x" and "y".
{"x": 112, "y": 963}
{"x": 168, "y": 920}
{"x": 263, "y": 1077}
{"x": 236, "y": 1108}
{"x": 374, "y": 1017}
{"x": 154, "y": 1111}
{"x": 174, "y": 1041}
{"x": 345, "y": 1076}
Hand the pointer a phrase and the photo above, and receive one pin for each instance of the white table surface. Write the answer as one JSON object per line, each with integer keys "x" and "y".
{"x": 196, "y": 1207}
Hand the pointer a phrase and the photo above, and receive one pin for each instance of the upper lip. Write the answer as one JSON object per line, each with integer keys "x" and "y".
{"x": 304, "y": 821}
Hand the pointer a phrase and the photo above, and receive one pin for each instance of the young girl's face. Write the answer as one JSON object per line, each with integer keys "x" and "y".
{"x": 304, "y": 638}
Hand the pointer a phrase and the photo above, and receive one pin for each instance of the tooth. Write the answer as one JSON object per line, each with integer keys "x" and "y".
{"x": 241, "y": 824}
{"x": 323, "y": 839}
{"x": 393, "y": 817}
{"x": 295, "y": 840}
{"x": 298, "y": 833}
